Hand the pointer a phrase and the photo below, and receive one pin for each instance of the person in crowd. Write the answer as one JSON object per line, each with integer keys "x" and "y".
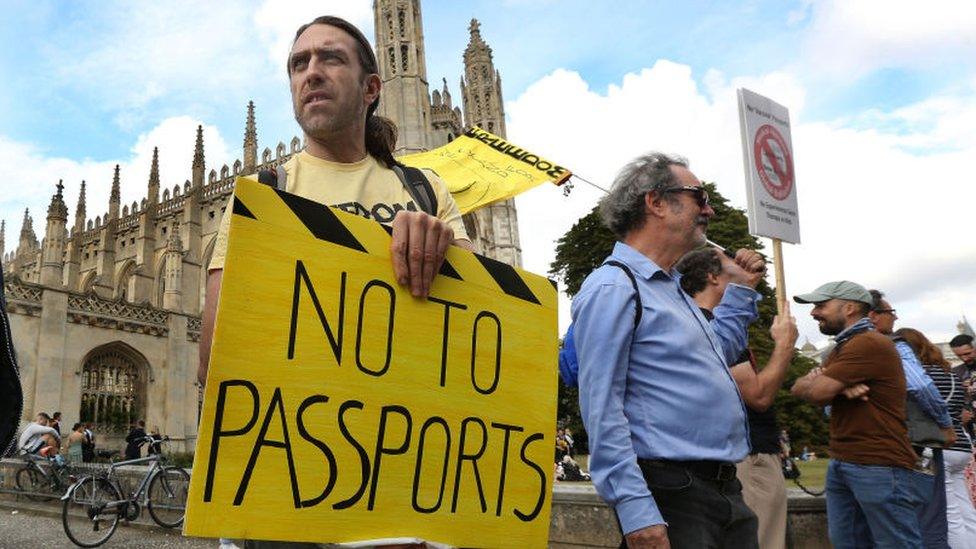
{"x": 872, "y": 485}
{"x": 644, "y": 388}
{"x": 923, "y": 394}
{"x": 56, "y": 422}
{"x": 88, "y": 445}
{"x": 960, "y": 511}
{"x": 784, "y": 444}
{"x": 39, "y": 436}
{"x": 348, "y": 159}
{"x": 75, "y": 443}
{"x": 135, "y": 439}
{"x": 962, "y": 347}
{"x": 704, "y": 276}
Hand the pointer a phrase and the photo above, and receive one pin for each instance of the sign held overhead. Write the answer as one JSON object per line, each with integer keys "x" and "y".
{"x": 767, "y": 151}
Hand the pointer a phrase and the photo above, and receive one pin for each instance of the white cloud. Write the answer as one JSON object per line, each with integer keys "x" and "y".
{"x": 29, "y": 175}
{"x": 277, "y": 21}
{"x": 856, "y": 37}
{"x": 871, "y": 209}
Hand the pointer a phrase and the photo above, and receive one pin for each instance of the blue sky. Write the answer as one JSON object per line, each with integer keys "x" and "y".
{"x": 881, "y": 95}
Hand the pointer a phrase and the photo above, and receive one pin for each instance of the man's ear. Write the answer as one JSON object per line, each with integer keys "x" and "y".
{"x": 373, "y": 85}
{"x": 655, "y": 204}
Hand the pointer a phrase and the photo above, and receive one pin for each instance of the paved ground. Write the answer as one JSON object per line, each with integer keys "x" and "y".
{"x": 27, "y": 529}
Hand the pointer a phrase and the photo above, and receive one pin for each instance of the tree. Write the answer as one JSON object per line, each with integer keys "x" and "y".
{"x": 589, "y": 242}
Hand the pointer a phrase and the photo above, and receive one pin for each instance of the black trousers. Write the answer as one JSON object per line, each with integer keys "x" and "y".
{"x": 701, "y": 513}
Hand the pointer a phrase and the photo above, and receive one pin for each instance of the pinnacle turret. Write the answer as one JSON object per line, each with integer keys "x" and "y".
{"x": 58, "y": 209}
{"x": 115, "y": 198}
{"x": 199, "y": 164}
{"x": 80, "y": 209}
{"x": 154, "y": 178}
{"x": 250, "y": 140}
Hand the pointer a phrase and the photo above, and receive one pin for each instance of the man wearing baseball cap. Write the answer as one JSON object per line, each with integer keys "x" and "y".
{"x": 871, "y": 479}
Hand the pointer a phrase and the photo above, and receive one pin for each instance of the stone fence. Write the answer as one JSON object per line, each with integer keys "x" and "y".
{"x": 579, "y": 517}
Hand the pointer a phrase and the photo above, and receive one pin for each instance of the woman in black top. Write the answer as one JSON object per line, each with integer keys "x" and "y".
{"x": 960, "y": 512}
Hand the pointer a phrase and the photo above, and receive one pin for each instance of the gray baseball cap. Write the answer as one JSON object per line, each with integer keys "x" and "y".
{"x": 841, "y": 289}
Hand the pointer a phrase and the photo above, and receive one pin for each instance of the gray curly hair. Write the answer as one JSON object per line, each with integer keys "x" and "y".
{"x": 623, "y": 209}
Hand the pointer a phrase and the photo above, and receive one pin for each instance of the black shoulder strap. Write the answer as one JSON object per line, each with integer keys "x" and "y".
{"x": 637, "y": 298}
{"x": 419, "y": 188}
{"x": 276, "y": 178}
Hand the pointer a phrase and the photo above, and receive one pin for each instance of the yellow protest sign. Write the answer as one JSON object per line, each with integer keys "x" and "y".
{"x": 340, "y": 408}
{"x": 480, "y": 168}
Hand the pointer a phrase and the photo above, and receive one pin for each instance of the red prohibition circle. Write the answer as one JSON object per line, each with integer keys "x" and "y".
{"x": 774, "y": 163}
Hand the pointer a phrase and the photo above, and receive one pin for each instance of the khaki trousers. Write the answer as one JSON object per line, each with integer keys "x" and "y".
{"x": 764, "y": 491}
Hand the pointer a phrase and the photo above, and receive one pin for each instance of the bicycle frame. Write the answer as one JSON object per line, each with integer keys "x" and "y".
{"x": 136, "y": 494}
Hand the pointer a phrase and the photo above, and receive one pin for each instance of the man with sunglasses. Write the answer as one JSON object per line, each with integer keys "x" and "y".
{"x": 923, "y": 395}
{"x": 664, "y": 417}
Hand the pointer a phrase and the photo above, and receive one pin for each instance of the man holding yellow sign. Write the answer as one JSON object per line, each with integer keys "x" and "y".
{"x": 338, "y": 407}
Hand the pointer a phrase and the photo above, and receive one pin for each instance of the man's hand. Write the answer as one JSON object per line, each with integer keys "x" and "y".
{"x": 857, "y": 391}
{"x": 966, "y": 416}
{"x": 783, "y": 330}
{"x": 652, "y": 537}
{"x": 419, "y": 243}
{"x": 751, "y": 267}
{"x": 950, "y": 435}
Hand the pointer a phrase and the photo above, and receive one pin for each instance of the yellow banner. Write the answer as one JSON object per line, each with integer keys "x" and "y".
{"x": 340, "y": 408}
{"x": 480, "y": 168}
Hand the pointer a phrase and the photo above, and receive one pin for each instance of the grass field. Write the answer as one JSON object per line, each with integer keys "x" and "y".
{"x": 812, "y": 473}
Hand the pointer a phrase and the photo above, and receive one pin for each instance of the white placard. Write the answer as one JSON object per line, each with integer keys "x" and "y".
{"x": 767, "y": 153}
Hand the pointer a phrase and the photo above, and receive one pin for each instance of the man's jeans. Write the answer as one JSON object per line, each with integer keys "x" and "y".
{"x": 932, "y": 523}
{"x": 874, "y": 505}
{"x": 701, "y": 514}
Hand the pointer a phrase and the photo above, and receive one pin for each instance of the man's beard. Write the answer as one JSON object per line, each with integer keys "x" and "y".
{"x": 831, "y": 328}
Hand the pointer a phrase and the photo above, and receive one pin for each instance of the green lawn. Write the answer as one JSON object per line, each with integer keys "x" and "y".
{"x": 812, "y": 473}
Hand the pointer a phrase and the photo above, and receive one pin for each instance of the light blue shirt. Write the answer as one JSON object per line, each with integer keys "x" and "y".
{"x": 921, "y": 387}
{"x": 663, "y": 391}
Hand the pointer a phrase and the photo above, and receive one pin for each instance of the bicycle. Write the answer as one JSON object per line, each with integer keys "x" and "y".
{"x": 36, "y": 483}
{"x": 94, "y": 505}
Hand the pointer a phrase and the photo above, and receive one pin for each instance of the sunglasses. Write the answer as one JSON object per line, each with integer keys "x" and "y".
{"x": 701, "y": 195}
{"x": 883, "y": 311}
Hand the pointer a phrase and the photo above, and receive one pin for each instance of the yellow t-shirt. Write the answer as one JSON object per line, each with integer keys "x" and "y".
{"x": 364, "y": 188}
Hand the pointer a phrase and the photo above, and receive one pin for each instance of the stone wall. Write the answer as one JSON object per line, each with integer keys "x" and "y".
{"x": 581, "y": 519}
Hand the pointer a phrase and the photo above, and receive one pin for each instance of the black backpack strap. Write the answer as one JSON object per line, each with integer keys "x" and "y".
{"x": 637, "y": 298}
{"x": 419, "y": 188}
{"x": 274, "y": 178}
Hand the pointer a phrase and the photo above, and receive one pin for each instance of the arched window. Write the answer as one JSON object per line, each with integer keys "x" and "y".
{"x": 113, "y": 388}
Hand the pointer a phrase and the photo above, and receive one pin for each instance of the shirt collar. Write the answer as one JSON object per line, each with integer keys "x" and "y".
{"x": 639, "y": 263}
{"x": 863, "y": 325}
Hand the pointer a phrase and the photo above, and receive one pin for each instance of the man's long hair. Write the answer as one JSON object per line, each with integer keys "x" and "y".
{"x": 381, "y": 132}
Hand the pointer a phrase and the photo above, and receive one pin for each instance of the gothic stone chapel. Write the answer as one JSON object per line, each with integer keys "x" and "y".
{"x": 105, "y": 313}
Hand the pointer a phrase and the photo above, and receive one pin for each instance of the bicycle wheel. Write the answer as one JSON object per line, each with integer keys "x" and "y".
{"x": 87, "y": 518}
{"x": 167, "y": 496}
{"x": 31, "y": 484}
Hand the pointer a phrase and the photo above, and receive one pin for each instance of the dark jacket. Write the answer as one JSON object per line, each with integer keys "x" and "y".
{"x": 135, "y": 442}
{"x": 11, "y": 394}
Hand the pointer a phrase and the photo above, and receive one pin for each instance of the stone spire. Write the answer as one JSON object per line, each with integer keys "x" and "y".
{"x": 115, "y": 198}
{"x": 199, "y": 165}
{"x": 250, "y": 141}
{"x": 27, "y": 236}
{"x": 153, "y": 197}
{"x": 495, "y": 227}
{"x": 446, "y": 94}
{"x": 173, "y": 269}
{"x": 402, "y": 67}
{"x": 52, "y": 258}
{"x": 80, "y": 210}
{"x": 481, "y": 88}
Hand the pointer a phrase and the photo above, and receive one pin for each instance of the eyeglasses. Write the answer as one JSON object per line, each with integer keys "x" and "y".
{"x": 701, "y": 195}
{"x": 883, "y": 311}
